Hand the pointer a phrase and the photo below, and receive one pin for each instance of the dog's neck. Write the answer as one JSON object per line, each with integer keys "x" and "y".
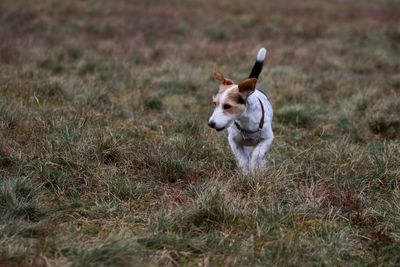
{"x": 250, "y": 118}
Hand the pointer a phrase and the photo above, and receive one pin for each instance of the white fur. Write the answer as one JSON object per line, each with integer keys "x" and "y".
{"x": 250, "y": 150}
{"x": 262, "y": 53}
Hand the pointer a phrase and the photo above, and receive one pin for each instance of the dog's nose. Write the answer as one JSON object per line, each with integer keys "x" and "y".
{"x": 211, "y": 124}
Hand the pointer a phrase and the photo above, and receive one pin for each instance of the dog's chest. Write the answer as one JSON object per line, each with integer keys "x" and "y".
{"x": 247, "y": 139}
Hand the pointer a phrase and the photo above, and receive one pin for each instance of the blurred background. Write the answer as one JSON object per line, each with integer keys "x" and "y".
{"x": 106, "y": 50}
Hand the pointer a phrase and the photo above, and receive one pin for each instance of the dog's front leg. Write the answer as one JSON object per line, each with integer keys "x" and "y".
{"x": 241, "y": 155}
{"x": 258, "y": 162}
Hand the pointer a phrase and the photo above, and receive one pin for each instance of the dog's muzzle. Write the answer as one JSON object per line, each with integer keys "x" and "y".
{"x": 213, "y": 125}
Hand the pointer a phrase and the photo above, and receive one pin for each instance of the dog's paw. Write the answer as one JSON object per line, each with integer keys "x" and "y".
{"x": 258, "y": 166}
{"x": 245, "y": 171}
{"x": 245, "y": 168}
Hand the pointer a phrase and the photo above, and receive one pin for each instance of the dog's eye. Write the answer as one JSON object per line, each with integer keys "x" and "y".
{"x": 215, "y": 103}
{"x": 227, "y": 106}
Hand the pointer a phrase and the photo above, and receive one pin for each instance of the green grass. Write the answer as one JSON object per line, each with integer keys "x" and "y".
{"x": 17, "y": 200}
{"x": 106, "y": 158}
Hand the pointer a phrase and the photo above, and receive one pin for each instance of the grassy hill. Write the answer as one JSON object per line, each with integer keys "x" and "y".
{"x": 106, "y": 158}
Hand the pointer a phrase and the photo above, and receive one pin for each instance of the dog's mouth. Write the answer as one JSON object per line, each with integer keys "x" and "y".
{"x": 219, "y": 129}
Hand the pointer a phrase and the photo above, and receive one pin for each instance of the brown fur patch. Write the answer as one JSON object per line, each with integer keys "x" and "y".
{"x": 232, "y": 99}
{"x": 247, "y": 87}
{"x": 219, "y": 76}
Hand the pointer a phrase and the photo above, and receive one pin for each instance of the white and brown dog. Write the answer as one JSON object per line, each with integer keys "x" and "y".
{"x": 246, "y": 113}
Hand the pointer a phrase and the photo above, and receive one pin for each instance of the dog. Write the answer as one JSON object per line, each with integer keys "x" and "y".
{"x": 246, "y": 112}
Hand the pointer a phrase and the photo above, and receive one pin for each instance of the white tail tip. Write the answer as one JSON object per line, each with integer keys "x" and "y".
{"x": 261, "y": 54}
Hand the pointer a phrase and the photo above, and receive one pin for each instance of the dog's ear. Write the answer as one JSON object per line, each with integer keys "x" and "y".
{"x": 247, "y": 87}
{"x": 220, "y": 77}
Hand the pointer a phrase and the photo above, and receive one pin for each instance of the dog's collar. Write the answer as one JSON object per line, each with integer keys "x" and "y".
{"x": 260, "y": 125}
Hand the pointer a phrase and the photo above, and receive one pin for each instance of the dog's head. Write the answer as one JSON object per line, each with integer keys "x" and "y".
{"x": 231, "y": 100}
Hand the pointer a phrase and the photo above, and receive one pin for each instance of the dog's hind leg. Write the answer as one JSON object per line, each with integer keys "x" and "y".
{"x": 241, "y": 155}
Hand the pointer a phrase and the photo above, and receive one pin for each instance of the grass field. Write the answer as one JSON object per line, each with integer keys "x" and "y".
{"x": 106, "y": 158}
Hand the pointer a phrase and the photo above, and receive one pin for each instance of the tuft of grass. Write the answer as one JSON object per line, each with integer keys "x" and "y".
{"x": 108, "y": 150}
{"x": 296, "y": 115}
{"x": 211, "y": 210}
{"x": 385, "y": 127}
{"x": 51, "y": 91}
{"x": 153, "y": 103}
{"x": 113, "y": 252}
{"x": 170, "y": 161}
{"x": 18, "y": 200}
{"x": 125, "y": 189}
{"x": 6, "y": 159}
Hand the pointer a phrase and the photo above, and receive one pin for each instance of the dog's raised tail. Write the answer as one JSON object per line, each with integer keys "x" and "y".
{"x": 256, "y": 70}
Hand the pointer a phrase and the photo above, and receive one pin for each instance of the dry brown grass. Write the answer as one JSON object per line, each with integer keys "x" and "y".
{"x": 106, "y": 158}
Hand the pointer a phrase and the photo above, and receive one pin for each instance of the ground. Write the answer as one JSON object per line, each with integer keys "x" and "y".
{"x": 106, "y": 158}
